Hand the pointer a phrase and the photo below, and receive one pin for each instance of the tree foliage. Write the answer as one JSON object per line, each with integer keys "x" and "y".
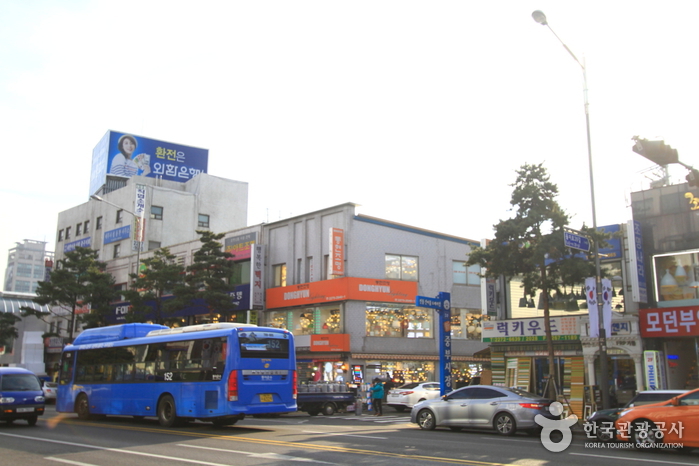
{"x": 208, "y": 277}
{"x": 530, "y": 244}
{"x": 151, "y": 290}
{"x": 8, "y": 331}
{"x": 77, "y": 281}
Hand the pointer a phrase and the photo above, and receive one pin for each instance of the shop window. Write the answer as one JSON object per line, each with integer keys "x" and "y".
{"x": 398, "y": 321}
{"x": 279, "y": 275}
{"x": 401, "y": 267}
{"x": 466, "y": 324}
{"x": 311, "y": 320}
{"x": 241, "y": 273}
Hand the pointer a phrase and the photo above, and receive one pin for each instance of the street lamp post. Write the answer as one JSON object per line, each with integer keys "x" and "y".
{"x": 137, "y": 233}
{"x": 540, "y": 18}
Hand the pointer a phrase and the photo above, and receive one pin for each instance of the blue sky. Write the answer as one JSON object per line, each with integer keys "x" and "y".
{"x": 420, "y": 111}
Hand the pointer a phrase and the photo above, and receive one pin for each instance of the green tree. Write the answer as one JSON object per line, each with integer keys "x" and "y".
{"x": 77, "y": 281}
{"x": 208, "y": 277}
{"x": 531, "y": 245}
{"x": 8, "y": 331}
{"x": 159, "y": 276}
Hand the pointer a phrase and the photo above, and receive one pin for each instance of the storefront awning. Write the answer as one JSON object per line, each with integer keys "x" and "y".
{"x": 414, "y": 357}
{"x": 13, "y": 305}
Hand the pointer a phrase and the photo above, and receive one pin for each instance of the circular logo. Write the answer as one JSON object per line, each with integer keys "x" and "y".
{"x": 446, "y": 304}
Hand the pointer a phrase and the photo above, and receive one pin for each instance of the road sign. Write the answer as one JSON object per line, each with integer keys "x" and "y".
{"x": 442, "y": 304}
{"x": 576, "y": 240}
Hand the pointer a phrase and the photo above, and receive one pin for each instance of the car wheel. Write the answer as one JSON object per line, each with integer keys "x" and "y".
{"x": 82, "y": 407}
{"x": 646, "y": 433}
{"x": 32, "y": 420}
{"x": 167, "y": 412}
{"x": 426, "y": 420}
{"x": 504, "y": 424}
{"x": 605, "y": 432}
{"x": 400, "y": 409}
{"x": 328, "y": 409}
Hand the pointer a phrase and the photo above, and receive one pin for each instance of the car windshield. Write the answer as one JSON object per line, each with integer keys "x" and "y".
{"x": 20, "y": 382}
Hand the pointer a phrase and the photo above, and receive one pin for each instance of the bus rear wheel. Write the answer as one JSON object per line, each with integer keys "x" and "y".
{"x": 82, "y": 407}
{"x": 167, "y": 412}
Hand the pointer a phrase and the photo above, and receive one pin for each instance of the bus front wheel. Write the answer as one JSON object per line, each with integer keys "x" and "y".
{"x": 167, "y": 413}
{"x": 82, "y": 407}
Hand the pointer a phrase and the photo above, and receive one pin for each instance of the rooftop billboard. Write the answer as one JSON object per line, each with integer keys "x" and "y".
{"x": 124, "y": 155}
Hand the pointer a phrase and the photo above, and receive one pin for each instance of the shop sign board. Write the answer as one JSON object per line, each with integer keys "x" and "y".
{"x": 240, "y": 246}
{"x": 330, "y": 343}
{"x": 342, "y": 289}
{"x": 669, "y": 322}
{"x": 562, "y": 328}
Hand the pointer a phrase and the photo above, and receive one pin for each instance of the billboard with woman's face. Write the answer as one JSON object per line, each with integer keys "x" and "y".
{"x": 124, "y": 155}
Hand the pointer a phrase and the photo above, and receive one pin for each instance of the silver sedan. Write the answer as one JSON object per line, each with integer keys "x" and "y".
{"x": 504, "y": 410}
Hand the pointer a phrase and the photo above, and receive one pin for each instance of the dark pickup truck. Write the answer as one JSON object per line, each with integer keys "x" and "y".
{"x": 325, "y": 398}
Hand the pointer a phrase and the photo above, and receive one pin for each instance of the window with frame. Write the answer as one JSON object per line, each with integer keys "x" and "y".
{"x": 98, "y": 223}
{"x": 78, "y": 229}
{"x": 203, "y": 221}
{"x": 156, "y": 212}
{"x": 153, "y": 245}
{"x": 86, "y": 230}
{"x": 67, "y": 232}
{"x": 399, "y": 267}
{"x": 60, "y": 235}
{"x": 117, "y": 251}
{"x": 279, "y": 275}
{"x": 465, "y": 275}
{"x": 119, "y": 216}
{"x": 393, "y": 320}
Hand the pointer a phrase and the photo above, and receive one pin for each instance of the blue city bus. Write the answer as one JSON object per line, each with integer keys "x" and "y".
{"x": 213, "y": 372}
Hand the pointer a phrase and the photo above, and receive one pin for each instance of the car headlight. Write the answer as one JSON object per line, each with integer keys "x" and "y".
{"x": 6, "y": 399}
{"x": 39, "y": 399}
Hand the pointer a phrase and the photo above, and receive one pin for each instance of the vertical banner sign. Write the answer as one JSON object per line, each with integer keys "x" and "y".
{"x": 256, "y": 281}
{"x": 139, "y": 218}
{"x": 442, "y": 304}
{"x": 607, "y": 305}
{"x": 654, "y": 370}
{"x": 639, "y": 290}
{"x": 337, "y": 252}
{"x": 592, "y": 310}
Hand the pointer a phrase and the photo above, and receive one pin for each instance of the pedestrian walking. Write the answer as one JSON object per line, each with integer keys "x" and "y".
{"x": 377, "y": 396}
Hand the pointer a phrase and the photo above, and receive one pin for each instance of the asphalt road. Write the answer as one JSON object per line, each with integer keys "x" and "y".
{"x": 342, "y": 439}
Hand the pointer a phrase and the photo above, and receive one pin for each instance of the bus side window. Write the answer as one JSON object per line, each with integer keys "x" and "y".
{"x": 66, "y": 369}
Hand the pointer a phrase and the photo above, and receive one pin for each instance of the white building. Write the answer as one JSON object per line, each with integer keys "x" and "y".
{"x": 27, "y": 265}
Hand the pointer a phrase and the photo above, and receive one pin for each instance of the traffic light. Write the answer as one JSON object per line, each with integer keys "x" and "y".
{"x": 655, "y": 151}
{"x": 693, "y": 177}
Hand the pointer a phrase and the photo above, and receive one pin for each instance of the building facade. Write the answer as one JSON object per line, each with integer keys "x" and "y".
{"x": 28, "y": 263}
{"x": 669, "y": 220}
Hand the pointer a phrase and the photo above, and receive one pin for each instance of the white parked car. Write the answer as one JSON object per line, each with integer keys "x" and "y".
{"x": 49, "y": 389}
{"x": 410, "y": 394}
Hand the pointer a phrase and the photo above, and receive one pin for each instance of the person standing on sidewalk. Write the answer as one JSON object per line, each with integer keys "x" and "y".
{"x": 377, "y": 396}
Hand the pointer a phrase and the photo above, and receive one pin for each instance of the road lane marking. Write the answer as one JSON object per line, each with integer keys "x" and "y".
{"x": 344, "y": 435}
{"x": 272, "y": 456}
{"x": 75, "y": 463}
{"x": 634, "y": 459}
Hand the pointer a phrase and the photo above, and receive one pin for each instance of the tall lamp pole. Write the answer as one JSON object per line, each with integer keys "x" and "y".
{"x": 540, "y": 18}
{"x": 137, "y": 233}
